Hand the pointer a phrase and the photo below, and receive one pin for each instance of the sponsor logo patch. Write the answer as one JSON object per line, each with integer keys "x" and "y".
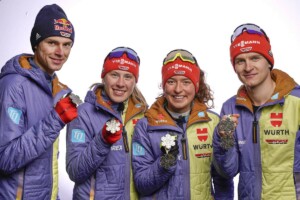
{"x": 138, "y": 105}
{"x": 134, "y": 121}
{"x": 276, "y": 119}
{"x": 275, "y": 96}
{"x": 203, "y": 155}
{"x": 241, "y": 142}
{"x": 138, "y": 149}
{"x": 201, "y": 114}
{"x": 78, "y": 136}
{"x": 276, "y": 141}
{"x": 202, "y": 134}
{"x": 160, "y": 118}
{"x": 178, "y": 72}
{"x": 116, "y": 148}
{"x": 14, "y": 114}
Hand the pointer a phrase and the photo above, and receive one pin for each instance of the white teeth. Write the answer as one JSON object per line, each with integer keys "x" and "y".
{"x": 118, "y": 91}
{"x": 178, "y": 97}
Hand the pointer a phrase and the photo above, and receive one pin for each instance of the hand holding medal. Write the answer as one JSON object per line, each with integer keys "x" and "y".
{"x": 170, "y": 150}
{"x": 66, "y": 107}
{"x": 226, "y": 129}
{"x": 112, "y": 131}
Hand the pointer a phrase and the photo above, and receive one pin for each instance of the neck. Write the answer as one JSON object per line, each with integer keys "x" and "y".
{"x": 261, "y": 94}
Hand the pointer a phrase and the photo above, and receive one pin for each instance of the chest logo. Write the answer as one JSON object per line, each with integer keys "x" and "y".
{"x": 276, "y": 119}
{"x": 202, "y": 134}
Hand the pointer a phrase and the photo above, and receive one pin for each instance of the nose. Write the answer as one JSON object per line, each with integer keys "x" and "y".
{"x": 59, "y": 50}
{"x": 120, "y": 81}
{"x": 178, "y": 87}
{"x": 248, "y": 65}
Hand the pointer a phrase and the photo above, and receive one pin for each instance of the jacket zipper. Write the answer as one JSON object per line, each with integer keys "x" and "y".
{"x": 254, "y": 129}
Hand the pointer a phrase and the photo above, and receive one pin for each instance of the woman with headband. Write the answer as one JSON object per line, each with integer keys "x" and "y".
{"x": 99, "y": 140}
{"x": 172, "y": 145}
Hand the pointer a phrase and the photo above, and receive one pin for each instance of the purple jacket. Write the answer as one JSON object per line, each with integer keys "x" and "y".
{"x": 29, "y": 128}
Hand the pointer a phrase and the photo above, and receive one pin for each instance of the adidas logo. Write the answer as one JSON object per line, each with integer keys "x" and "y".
{"x": 38, "y": 36}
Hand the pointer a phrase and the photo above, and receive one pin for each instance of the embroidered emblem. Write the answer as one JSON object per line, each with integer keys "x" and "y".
{"x": 134, "y": 121}
{"x": 201, "y": 114}
{"x": 78, "y": 136}
{"x": 276, "y": 119}
{"x": 275, "y": 96}
{"x": 14, "y": 114}
{"x": 160, "y": 116}
{"x": 37, "y": 36}
{"x": 138, "y": 149}
{"x": 203, "y": 155}
{"x": 202, "y": 134}
{"x": 116, "y": 148}
{"x": 138, "y": 105}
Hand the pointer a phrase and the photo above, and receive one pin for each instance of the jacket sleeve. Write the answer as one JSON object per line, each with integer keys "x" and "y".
{"x": 86, "y": 149}
{"x": 226, "y": 162}
{"x": 223, "y": 187}
{"x": 19, "y": 143}
{"x": 149, "y": 176}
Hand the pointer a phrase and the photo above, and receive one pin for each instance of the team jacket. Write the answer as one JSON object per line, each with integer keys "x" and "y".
{"x": 267, "y": 143}
{"x": 29, "y": 129}
{"x": 99, "y": 170}
{"x": 190, "y": 178}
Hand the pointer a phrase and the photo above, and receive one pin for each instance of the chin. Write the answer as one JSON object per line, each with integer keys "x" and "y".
{"x": 118, "y": 100}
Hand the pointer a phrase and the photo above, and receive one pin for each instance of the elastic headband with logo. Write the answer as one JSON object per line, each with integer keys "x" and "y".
{"x": 180, "y": 62}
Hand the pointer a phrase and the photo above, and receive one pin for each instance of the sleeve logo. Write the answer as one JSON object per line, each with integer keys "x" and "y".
{"x": 14, "y": 114}
{"x": 78, "y": 136}
{"x": 137, "y": 149}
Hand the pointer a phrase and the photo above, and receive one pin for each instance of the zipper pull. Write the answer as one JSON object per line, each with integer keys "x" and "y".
{"x": 184, "y": 152}
{"x": 254, "y": 131}
{"x": 125, "y": 140}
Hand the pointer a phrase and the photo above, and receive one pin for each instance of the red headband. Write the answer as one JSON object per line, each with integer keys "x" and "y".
{"x": 246, "y": 43}
{"x": 181, "y": 68}
{"x": 123, "y": 63}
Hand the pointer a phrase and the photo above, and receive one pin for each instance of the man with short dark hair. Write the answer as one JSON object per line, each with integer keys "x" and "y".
{"x": 34, "y": 108}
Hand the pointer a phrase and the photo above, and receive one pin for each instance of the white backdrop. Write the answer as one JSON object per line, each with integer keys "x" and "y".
{"x": 153, "y": 28}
